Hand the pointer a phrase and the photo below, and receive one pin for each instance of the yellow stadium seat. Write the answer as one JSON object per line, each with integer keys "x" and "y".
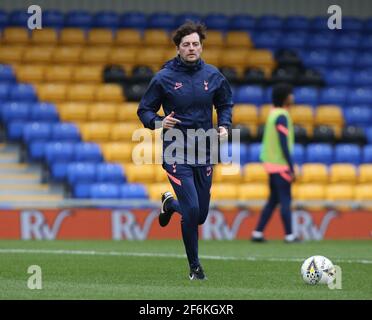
{"x": 303, "y": 115}
{"x": 160, "y": 173}
{"x": 73, "y": 111}
{"x": 44, "y": 36}
{"x": 227, "y": 173}
{"x": 310, "y": 191}
{"x": 214, "y": 39}
{"x": 123, "y": 131}
{"x": 253, "y": 191}
{"x": 212, "y": 56}
{"x": 171, "y": 53}
{"x": 37, "y": 55}
{"x": 96, "y": 131}
{"x": 234, "y": 58}
{"x": 88, "y": 74}
{"x": 15, "y": 35}
{"x": 95, "y": 55}
{"x": 30, "y": 73}
{"x": 238, "y": 39}
{"x": 144, "y": 173}
{"x": 363, "y": 192}
{"x": 245, "y": 114}
{"x": 127, "y": 111}
{"x": 81, "y": 92}
{"x": 264, "y": 111}
{"x": 11, "y": 54}
{"x": 330, "y": 116}
{"x": 100, "y": 36}
{"x": 123, "y": 55}
{"x": 260, "y": 58}
{"x": 365, "y": 173}
{"x": 342, "y": 173}
{"x": 224, "y": 191}
{"x": 58, "y": 73}
{"x": 51, "y": 92}
{"x": 109, "y": 92}
{"x": 339, "y": 193}
{"x": 156, "y": 38}
{"x": 102, "y": 112}
{"x": 152, "y": 57}
{"x": 117, "y": 151}
{"x": 156, "y": 189}
{"x": 72, "y": 36}
{"x": 255, "y": 172}
{"x": 128, "y": 37}
{"x": 314, "y": 173}
{"x": 67, "y": 54}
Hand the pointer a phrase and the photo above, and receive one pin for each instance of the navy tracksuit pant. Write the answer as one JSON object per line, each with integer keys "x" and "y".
{"x": 192, "y": 187}
{"x": 280, "y": 192}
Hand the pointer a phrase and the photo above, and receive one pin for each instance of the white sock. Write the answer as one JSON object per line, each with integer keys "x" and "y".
{"x": 290, "y": 237}
{"x": 257, "y": 234}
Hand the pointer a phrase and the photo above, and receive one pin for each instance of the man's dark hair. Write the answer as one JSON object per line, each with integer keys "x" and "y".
{"x": 187, "y": 28}
{"x": 280, "y": 93}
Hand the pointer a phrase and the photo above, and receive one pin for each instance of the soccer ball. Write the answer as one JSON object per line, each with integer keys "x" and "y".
{"x": 318, "y": 269}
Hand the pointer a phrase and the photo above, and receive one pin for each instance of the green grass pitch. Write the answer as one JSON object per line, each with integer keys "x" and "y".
{"x": 158, "y": 270}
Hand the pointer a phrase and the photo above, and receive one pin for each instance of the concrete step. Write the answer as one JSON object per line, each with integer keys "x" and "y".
{"x": 9, "y": 157}
{"x": 30, "y": 198}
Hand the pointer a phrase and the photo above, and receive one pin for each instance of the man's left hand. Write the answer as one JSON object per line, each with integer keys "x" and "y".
{"x": 222, "y": 133}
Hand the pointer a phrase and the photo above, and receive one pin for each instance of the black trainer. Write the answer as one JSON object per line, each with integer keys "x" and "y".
{"x": 165, "y": 215}
{"x": 258, "y": 239}
{"x": 197, "y": 274}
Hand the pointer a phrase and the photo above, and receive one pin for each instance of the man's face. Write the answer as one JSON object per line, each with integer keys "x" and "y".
{"x": 190, "y": 47}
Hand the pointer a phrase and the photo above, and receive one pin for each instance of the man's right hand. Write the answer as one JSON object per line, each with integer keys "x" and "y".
{"x": 169, "y": 122}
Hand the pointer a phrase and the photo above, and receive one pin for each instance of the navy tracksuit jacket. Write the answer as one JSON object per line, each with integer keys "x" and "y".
{"x": 190, "y": 91}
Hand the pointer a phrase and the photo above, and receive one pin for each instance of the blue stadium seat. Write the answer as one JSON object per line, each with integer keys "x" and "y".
{"x": 14, "y": 130}
{"x": 333, "y": 95}
{"x": 18, "y": 18}
{"x": 81, "y": 190}
{"x": 216, "y": 21}
{"x": 104, "y": 191}
{"x": 348, "y": 153}
{"x": 4, "y": 19}
{"x": 351, "y": 24}
{"x": 78, "y": 19}
{"x": 338, "y": 77}
{"x": 319, "y": 24}
{"x": 366, "y": 44}
{"x": 364, "y": 60}
{"x": 296, "y": 23}
{"x": 57, "y": 152}
{"x": 36, "y": 131}
{"x": 110, "y": 172}
{"x": 358, "y": 115}
{"x": 44, "y": 111}
{"x": 306, "y": 95}
{"x": 106, "y": 19}
{"x": 7, "y": 74}
{"x": 133, "y": 191}
{"x": 182, "y": 18}
{"x": 135, "y": 20}
{"x": 81, "y": 172}
{"x": 316, "y": 58}
{"x": 319, "y": 153}
{"x": 53, "y": 19}
{"x": 23, "y": 92}
{"x": 318, "y": 41}
{"x": 348, "y": 41}
{"x": 15, "y": 111}
{"x": 343, "y": 58}
{"x": 65, "y": 131}
{"x": 294, "y": 40}
{"x": 88, "y": 151}
{"x": 362, "y": 78}
{"x": 255, "y": 150}
{"x": 161, "y": 21}
{"x": 299, "y": 154}
{"x": 368, "y": 25}
{"x": 267, "y": 40}
{"x": 4, "y": 91}
{"x": 368, "y": 132}
{"x": 242, "y": 22}
{"x": 269, "y": 22}
{"x": 249, "y": 94}
{"x": 367, "y": 154}
{"x": 226, "y": 152}
{"x": 360, "y": 96}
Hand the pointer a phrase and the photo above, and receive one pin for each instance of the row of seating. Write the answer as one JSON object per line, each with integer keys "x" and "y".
{"x": 218, "y": 21}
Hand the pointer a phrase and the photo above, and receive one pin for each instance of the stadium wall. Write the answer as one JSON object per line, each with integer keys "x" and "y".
{"x": 359, "y": 8}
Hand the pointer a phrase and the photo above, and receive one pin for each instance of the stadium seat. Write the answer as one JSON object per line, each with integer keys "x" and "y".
{"x": 365, "y": 173}
{"x": 360, "y": 96}
{"x": 353, "y": 134}
{"x": 358, "y": 115}
{"x": 97, "y": 56}
{"x": 160, "y": 174}
{"x": 61, "y": 152}
{"x": 88, "y": 151}
{"x": 4, "y": 91}
{"x": 102, "y": 112}
{"x": 51, "y": 92}
{"x": 348, "y": 41}
{"x": 43, "y": 111}
{"x": 249, "y": 94}
{"x": 152, "y": 57}
{"x": 109, "y": 92}
{"x": 106, "y": 19}
{"x": 87, "y": 74}
{"x": 343, "y": 173}
{"x": 329, "y": 116}
{"x": 314, "y": 173}
{"x": 4, "y": 19}
{"x": 224, "y": 191}
{"x": 73, "y": 111}
{"x": 127, "y": 111}
{"x": 339, "y": 77}
{"x": 81, "y": 190}
{"x": 53, "y": 19}
{"x": 140, "y": 173}
{"x": 155, "y": 190}
{"x": 269, "y": 22}
{"x": 306, "y": 95}
{"x": 58, "y": 73}
{"x": 18, "y": 18}
{"x": 133, "y": 20}
{"x": 128, "y": 38}
{"x": 100, "y": 37}
{"x": 45, "y": 36}
{"x": 133, "y": 191}
{"x": 368, "y": 132}
{"x": 254, "y": 172}
{"x": 7, "y": 74}
{"x": 81, "y": 172}
{"x": 15, "y": 111}
{"x": 22, "y": 92}
{"x": 343, "y": 58}
{"x": 298, "y": 154}
{"x": 319, "y": 152}
{"x": 367, "y": 154}
{"x": 117, "y": 152}
{"x": 67, "y": 55}
{"x": 333, "y": 95}
{"x": 216, "y": 21}
{"x": 227, "y": 173}
{"x": 123, "y": 131}
{"x": 325, "y": 133}
{"x": 15, "y": 35}
{"x": 363, "y": 193}
{"x": 156, "y": 38}
{"x": 11, "y": 54}
{"x": 296, "y": 23}
{"x": 65, "y": 131}
{"x": 183, "y": 17}
{"x": 36, "y": 131}
{"x": 310, "y": 191}
{"x": 81, "y": 92}
{"x": 260, "y": 58}
{"x": 110, "y": 172}
{"x": 242, "y": 22}
{"x": 123, "y": 55}
{"x": 253, "y": 191}
{"x": 316, "y": 58}
{"x": 215, "y": 39}
{"x": 348, "y": 153}
{"x": 294, "y": 40}
{"x": 245, "y": 114}
{"x": 302, "y": 115}
{"x": 338, "y": 193}
{"x": 35, "y": 55}
{"x": 238, "y": 39}
{"x": 161, "y": 20}
{"x": 72, "y": 36}
{"x": 104, "y": 191}
{"x": 78, "y": 19}
{"x": 351, "y": 24}
{"x": 364, "y": 60}
{"x": 362, "y": 78}
{"x": 96, "y": 131}
{"x": 237, "y": 58}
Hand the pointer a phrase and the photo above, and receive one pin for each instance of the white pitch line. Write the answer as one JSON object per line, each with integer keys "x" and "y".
{"x": 166, "y": 255}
